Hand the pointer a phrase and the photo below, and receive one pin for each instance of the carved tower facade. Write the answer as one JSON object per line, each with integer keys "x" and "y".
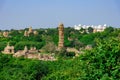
{"x": 61, "y": 36}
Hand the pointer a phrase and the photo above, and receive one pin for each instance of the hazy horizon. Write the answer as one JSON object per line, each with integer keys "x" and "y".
{"x": 20, "y": 14}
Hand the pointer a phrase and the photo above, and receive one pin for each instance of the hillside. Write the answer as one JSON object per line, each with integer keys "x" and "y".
{"x": 101, "y": 62}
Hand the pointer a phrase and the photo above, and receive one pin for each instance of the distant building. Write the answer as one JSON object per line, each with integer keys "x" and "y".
{"x": 30, "y": 31}
{"x": 98, "y": 28}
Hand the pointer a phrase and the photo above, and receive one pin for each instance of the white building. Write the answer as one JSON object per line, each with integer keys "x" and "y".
{"x": 98, "y": 28}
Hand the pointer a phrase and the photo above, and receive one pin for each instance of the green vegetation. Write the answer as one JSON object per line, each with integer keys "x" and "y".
{"x": 73, "y": 38}
{"x": 102, "y": 62}
{"x": 21, "y": 69}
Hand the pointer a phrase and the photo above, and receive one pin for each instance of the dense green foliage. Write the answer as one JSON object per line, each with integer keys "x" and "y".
{"x": 21, "y": 69}
{"x": 102, "y": 62}
{"x": 73, "y": 38}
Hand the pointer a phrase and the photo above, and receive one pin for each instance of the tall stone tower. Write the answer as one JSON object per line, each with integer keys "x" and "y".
{"x": 61, "y": 36}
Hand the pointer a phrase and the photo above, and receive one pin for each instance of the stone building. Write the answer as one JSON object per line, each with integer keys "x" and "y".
{"x": 30, "y": 31}
{"x": 61, "y": 36}
{"x": 5, "y": 34}
{"x": 8, "y": 49}
{"x": 26, "y": 33}
{"x": 33, "y": 50}
{"x": 25, "y": 52}
{"x": 33, "y": 54}
{"x": 35, "y": 32}
{"x": 20, "y": 53}
{"x": 98, "y": 28}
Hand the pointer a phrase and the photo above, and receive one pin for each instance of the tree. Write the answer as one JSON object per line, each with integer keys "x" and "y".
{"x": 109, "y": 29}
{"x": 2, "y": 46}
{"x": 49, "y": 47}
{"x": 90, "y": 30}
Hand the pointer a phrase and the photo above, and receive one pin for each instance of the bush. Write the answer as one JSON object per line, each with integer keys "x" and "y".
{"x": 100, "y": 63}
{"x": 63, "y": 53}
{"x": 20, "y": 45}
{"x": 70, "y": 54}
{"x": 50, "y": 47}
{"x": 2, "y": 46}
{"x": 21, "y": 69}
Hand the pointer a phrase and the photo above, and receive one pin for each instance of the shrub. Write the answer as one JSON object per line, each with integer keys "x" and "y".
{"x": 70, "y": 54}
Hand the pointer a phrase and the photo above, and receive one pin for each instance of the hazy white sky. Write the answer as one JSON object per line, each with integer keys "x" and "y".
{"x": 18, "y": 14}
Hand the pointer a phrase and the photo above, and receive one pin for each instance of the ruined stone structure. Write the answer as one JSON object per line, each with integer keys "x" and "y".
{"x": 35, "y": 32}
{"x": 33, "y": 54}
{"x": 33, "y": 50}
{"x": 5, "y": 34}
{"x": 61, "y": 36}
{"x": 8, "y": 49}
{"x": 94, "y": 30}
{"x": 25, "y": 49}
{"x": 88, "y": 47}
{"x": 20, "y": 53}
{"x": 25, "y": 52}
{"x": 30, "y": 31}
{"x": 26, "y": 33}
{"x": 72, "y": 50}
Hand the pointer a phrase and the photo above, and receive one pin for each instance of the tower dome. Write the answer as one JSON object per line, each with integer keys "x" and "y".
{"x": 61, "y": 25}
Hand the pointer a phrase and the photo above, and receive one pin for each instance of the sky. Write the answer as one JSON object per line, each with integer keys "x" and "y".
{"x": 19, "y": 14}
